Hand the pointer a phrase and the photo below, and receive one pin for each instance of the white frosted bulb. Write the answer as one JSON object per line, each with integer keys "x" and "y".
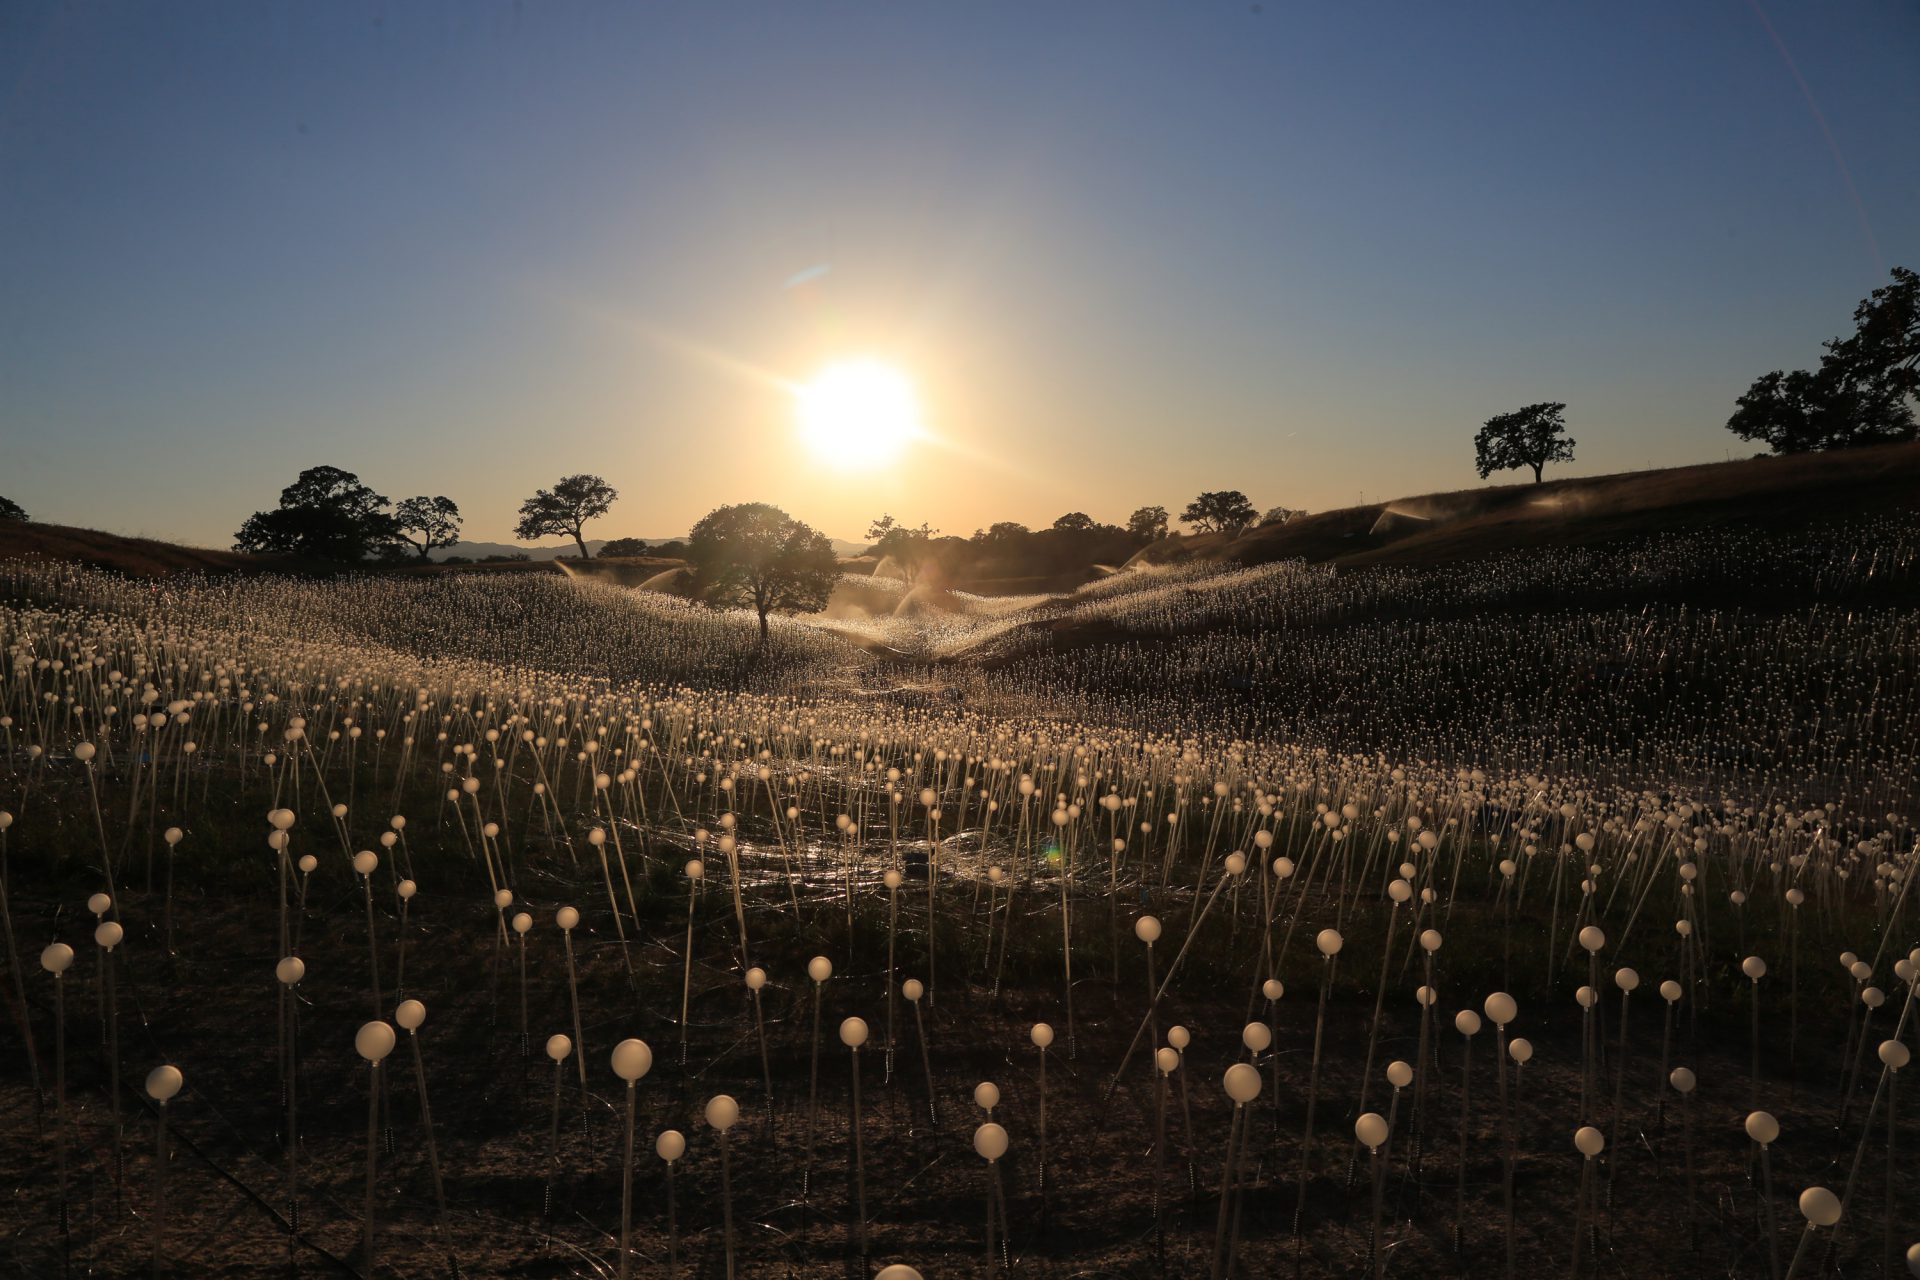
{"x": 819, "y": 968}
{"x": 1819, "y": 1206}
{"x": 722, "y": 1112}
{"x": 1147, "y": 929}
{"x": 632, "y": 1059}
{"x": 1241, "y": 1082}
{"x": 1399, "y": 1074}
{"x": 374, "y": 1041}
{"x": 1042, "y": 1034}
{"x": 990, "y": 1141}
{"x": 1371, "y": 1129}
{"x": 163, "y": 1083}
{"x": 853, "y": 1032}
{"x": 912, "y": 989}
{"x": 410, "y": 1015}
{"x": 559, "y": 1048}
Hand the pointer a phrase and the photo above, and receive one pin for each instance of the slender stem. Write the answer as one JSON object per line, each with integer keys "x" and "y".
{"x": 373, "y": 1160}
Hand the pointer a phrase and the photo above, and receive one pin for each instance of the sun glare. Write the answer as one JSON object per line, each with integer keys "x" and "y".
{"x": 858, "y": 413}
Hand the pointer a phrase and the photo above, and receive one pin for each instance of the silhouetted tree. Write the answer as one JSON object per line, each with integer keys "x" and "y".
{"x": 1220, "y": 511}
{"x": 1861, "y": 392}
{"x": 1529, "y": 437}
{"x": 11, "y": 510}
{"x": 907, "y": 547}
{"x": 1002, "y": 531}
{"x": 1279, "y": 515}
{"x": 1074, "y": 522}
{"x": 435, "y": 521}
{"x": 565, "y": 509}
{"x": 1149, "y": 524}
{"x": 757, "y": 556}
{"x": 325, "y": 514}
{"x": 623, "y": 547}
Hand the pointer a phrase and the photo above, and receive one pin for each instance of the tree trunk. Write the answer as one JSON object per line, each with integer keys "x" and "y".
{"x": 763, "y": 625}
{"x": 1536, "y": 471}
{"x": 581, "y": 543}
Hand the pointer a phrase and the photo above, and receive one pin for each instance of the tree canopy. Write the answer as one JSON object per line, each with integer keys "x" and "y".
{"x": 755, "y": 555}
{"x": 908, "y": 547}
{"x": 425, "y": 523}
{"x": 1220, "y": 511}
{"x": 565, "y": 510}
{"x": 1860, "y": 394}
{"x": 1149, "y": 524}
{"x": 325, "y": 514}
{"x": 11, "y": 510}
{"x": 1529, "y": 437}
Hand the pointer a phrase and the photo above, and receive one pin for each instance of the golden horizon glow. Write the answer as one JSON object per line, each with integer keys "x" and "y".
{"x": 858, "y": 413}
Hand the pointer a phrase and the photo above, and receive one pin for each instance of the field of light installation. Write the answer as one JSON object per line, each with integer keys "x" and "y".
{"x": 1544, "y": 914}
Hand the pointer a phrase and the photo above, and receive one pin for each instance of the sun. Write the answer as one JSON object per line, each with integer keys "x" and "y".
{"x": 858, "y": 413}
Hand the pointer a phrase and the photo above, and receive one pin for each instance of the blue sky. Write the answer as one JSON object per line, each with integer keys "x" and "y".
{"x": 1124, "y": 251}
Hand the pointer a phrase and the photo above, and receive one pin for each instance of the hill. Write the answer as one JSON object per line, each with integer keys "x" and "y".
{"x": 136, "y": 557}
{"x": 1439, "y": 528}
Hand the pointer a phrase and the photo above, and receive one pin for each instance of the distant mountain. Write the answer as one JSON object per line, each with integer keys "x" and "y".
{"x": 477, "y": 550}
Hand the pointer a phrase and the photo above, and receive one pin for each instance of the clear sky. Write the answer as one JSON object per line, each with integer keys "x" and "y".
{"x": 1123, "y": 251}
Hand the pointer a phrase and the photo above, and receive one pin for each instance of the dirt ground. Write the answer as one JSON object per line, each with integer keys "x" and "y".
{"x": 211, "y": 1009}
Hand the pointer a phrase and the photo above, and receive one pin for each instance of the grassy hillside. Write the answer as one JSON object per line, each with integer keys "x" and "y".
{"x": 136, "y": 557}
{"x": 1438, "y": 528}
